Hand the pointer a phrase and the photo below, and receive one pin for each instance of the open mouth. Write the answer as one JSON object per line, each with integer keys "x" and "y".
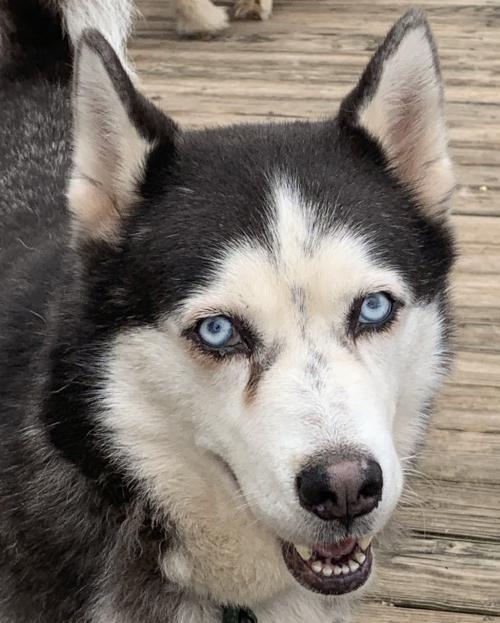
{"x": 333, "y": 569}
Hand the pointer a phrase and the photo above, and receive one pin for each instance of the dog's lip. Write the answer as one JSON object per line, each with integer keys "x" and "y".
{"x": 331, "y": 569}
{"x": 302, "y": 569}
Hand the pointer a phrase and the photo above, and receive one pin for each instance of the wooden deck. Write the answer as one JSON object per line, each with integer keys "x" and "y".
{"x": 298, "y": 65}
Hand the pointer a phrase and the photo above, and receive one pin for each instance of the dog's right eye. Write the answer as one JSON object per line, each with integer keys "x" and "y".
{"x": 217, "y": 332}
{"x": 219, "y": 335}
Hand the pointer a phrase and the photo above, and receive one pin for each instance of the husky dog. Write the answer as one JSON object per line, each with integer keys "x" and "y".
{"x": 217, "y": 348}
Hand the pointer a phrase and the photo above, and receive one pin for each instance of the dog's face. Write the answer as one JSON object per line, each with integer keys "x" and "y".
{"x": 305, "y": 358}
{"x": 287, "y": 290}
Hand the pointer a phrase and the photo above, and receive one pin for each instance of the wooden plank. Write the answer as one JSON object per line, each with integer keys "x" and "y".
{"x": 385, "y": 612}
{"x": 478, "y": 334}
{"x": 441, "y": 574}
{"x": 476, "y": 289}
{"x": 463, "y": 442}
{"x": 478, "y": 241}
{"x": 467, "y": 409}
{"x": 477, "y": 229}
{"x": 461, "y": 456}
{"x": 480, "y": 257}
{"x": 472, "y": 368}
{"x": 459, "y": 509}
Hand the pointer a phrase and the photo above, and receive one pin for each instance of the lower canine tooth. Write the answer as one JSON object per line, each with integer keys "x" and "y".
{"x": 364, "y": 543}
{"x": 345, "y": 569}
{"x": 353, "y": 566}
{"x": 337, "y": 570}
{"x": 304, "y": 552}
{"x": 317, "y": 566}
{"x": 327, "y": 570}
{"x": 360, "y": 557}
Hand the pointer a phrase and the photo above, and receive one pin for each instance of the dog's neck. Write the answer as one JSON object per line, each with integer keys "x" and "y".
{"x": 293, "y": 606}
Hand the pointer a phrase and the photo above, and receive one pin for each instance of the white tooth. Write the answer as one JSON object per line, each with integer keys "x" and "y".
{"x": 337, "y": 570}
{"x": 317, "y": 566}
{"x": 360, "y": 557}
{"x": 364, "y": 543}
{"x": 345, "y": 569}
{"x": 353, "y": 566}
{"x": 327, "y": 570}
{"x": 304, "y": 552}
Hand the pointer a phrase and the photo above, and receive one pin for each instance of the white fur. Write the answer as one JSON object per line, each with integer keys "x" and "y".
{"x": 175, "y": 415}
{"x": 199, "y": 16}
{"x": 109, "y": 152}
{"x": 406, "y": 115}
{"x": 112, "y": 17}
{"x": 194, "y": 486}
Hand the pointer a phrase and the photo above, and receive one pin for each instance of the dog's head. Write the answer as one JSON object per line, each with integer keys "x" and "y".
{"x": 275, "y": 300}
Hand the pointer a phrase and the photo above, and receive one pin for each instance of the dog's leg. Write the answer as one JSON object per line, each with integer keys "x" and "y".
{"x": 198, "y": 17}
{"x": 253, "y": 9}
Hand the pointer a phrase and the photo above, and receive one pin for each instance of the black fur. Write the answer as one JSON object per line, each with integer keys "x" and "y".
{"x": 67, "y": 509}
{"x": 32, "y": 42}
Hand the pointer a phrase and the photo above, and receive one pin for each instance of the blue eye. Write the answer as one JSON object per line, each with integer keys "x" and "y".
{"x": 375, "y": 309}
{"x": 217, "y": 332}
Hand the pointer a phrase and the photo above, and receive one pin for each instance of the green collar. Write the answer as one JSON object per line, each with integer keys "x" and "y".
{"x": 238, "y": 615}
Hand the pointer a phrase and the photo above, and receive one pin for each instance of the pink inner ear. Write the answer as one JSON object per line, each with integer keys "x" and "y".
{"x": 109, "y": 151}
{"x": 94, "y": 213}
{"x": 406, "y": 116}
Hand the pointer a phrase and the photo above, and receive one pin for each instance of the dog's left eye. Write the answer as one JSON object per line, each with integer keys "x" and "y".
{"x": 376, "y": 309}
{"x": 218, "y": 332}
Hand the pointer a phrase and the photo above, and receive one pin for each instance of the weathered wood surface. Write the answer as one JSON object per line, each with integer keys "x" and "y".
{"x": 446, "y": 567}
{"x": 385, "y": 612}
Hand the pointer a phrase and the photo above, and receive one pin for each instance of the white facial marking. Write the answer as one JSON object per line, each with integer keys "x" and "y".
{"x": 181, "y": 417}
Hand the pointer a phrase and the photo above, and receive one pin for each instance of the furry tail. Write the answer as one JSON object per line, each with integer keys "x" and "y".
{"x": 113, "y": 18}
{"x": 37, "y": 36}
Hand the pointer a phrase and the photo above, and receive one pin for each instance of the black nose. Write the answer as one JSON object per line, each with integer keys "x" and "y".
{"x": 342, "y": 489}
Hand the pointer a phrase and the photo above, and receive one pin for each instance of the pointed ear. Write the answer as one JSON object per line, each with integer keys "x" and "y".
{"x": 115, "y": 129}
{"x": 399, "y": 102}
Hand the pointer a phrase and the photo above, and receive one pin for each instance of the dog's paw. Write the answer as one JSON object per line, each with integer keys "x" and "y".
{"x": 200, "y": 17}
{"x": 252, "y": 9}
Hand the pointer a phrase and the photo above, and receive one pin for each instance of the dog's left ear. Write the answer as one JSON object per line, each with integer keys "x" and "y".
{"x": 399, "y": 103}
{"x": 115, "y": 131}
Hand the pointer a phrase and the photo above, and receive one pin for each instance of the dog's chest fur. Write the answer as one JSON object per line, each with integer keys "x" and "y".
{"x": 290, "y": 607}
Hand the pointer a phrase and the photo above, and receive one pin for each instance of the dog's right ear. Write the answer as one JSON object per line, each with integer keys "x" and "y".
{"x": 115, "y": 129}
